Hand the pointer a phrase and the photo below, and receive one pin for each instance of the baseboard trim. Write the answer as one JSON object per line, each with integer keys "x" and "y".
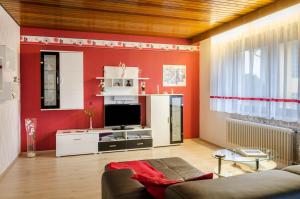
{"x": 9, "y": 167}
{"x": 38, "y": 152}
{"x": 210, "y": 143}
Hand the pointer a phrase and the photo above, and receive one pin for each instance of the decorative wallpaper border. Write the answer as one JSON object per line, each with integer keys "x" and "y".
{"x": 62, "y": 41}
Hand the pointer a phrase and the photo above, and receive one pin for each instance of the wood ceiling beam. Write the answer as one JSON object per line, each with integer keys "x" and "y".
{"x": 259, "y": 13}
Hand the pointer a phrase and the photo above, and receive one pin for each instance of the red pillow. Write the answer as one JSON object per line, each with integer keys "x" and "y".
{"x": 156, "y": 186}
{"x": 139, "y": 167}
{"x": 202, "y": 177}
{"x": 153, "y": 180}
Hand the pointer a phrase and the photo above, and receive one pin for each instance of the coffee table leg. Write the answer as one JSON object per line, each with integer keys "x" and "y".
{"x": 257, "y": 164}
{"x": 219, "y": 165}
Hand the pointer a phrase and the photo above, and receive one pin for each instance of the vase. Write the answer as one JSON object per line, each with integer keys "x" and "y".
{"x": 30, "y": 125}
{"x": 91, "y": 122}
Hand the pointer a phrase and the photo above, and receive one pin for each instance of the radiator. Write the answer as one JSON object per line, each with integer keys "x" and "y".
{"x": 280, "y": 141}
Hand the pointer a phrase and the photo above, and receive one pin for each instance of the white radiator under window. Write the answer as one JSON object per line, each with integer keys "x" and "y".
{"x": 280, "y": 141}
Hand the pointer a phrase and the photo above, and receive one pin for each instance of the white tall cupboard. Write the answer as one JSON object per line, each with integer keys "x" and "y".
{"x": 61, "y": 80}
{"x": 158, "y": 118}
{"x": 164, "y": 115}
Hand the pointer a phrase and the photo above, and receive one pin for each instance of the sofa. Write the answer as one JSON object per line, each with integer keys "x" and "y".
{"x": 275, "y": 184}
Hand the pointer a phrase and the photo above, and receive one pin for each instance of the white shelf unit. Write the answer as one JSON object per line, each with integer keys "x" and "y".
{"x": 86, "y": 141}
{"x": 139, "y": 78}
{"x": 123, "y": 140}
{"x": 121, "y": 85}
{"x": 112, "y": 95}
{"x": 145, "y": 95}
{"x": 121, "y": 82}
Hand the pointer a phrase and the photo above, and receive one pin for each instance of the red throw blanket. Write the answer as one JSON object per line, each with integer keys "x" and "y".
{"x": 154, "y": 181}
{"x": 139, "y": 167}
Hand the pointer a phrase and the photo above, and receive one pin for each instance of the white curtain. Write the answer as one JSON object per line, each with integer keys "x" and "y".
{"x": 255, "y": 68}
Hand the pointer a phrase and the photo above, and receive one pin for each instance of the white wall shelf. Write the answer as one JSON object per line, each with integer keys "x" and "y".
{"x": 112, "y": 95}
{"x": 108, "y": 78}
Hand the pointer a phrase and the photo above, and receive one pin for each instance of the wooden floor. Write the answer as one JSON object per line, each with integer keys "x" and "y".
{"x": 47, "y": 177}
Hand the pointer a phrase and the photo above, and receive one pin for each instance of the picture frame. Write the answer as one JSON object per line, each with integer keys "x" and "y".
{"x": 174, "y": 75}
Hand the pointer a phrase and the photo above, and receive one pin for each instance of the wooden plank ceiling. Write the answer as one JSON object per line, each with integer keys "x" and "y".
{"x": 173, "y": 18}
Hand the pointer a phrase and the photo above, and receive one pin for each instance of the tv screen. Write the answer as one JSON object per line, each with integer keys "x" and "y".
{"x": 122, "y": 114}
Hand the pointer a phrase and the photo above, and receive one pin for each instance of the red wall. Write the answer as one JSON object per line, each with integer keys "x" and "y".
{"x": 149, "y": 61}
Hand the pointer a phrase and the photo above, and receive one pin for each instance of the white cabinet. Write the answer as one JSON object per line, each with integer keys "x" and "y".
{"x": 158, "y": 118}
{"x": 9, "y": 80}
{"x": 76, "y": 143}
{"x": 71, "y": 80}
{"x": 87, "y": 141}
{"x": 164, "y": 115}
{"x": 61, "y": 80}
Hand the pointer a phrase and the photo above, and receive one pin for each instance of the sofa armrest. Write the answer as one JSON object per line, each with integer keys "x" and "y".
{"x": 293, "y": 169}
{"x": 266, "y": 184}
{"x": 117, "y": 184}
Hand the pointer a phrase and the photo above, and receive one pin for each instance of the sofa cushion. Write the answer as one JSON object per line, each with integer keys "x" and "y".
{"x": 175, "y": 168}
{"x": 293, "y": 169}
{"x": 267, "y": 184}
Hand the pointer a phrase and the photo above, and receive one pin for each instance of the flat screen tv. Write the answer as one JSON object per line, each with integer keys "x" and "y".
{"x": 122, "y": 115}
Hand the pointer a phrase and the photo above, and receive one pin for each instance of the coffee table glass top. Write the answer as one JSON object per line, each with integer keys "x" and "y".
{"x": 239, "y": 164}
{"x": 234, "y": 156}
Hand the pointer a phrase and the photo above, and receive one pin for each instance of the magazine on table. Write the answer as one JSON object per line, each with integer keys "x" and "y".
{"x": 252, "y": 153}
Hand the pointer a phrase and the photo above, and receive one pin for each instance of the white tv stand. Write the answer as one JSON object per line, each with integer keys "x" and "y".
{"x": 89, "y": 141}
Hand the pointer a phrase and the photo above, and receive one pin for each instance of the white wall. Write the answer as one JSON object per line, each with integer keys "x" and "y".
{"x": 9, "y": 109}
{"x": 212, "y": 124}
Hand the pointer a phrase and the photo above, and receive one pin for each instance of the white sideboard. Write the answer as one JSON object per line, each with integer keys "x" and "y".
{"x": 86, "y": 141}
{"x": 75, "y": 143}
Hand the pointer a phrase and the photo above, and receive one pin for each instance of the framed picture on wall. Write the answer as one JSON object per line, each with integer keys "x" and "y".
{"x": 174, "y": 75}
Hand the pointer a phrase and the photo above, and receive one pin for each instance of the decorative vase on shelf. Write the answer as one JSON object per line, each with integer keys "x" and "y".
{"x": 102, "y": 87}
{"x": 123, "y": 69}
{"x": 143, "y": 88}
{"x": 30, "y": 125}
{"x": 91, "y": 122}
{"x": 90, "y": 114}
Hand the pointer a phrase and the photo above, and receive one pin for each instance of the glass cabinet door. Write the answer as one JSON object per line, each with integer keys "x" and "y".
{"x": 176, "y": 113}
{"x": 49, "y": 80}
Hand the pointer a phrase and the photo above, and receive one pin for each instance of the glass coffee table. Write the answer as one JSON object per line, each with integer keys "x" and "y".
{"x": 231, "y": 163}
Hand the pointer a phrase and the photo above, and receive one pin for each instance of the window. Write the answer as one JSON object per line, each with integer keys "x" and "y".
{"x": 255, "y": 69}
{"x": 294, "y": 59}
